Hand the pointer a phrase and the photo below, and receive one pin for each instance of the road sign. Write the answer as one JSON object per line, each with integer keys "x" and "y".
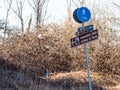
{"x": 83, "y": 14}
{"x": 81, "y": 32}
{"x": 84, "y": 38}
{"x": 84, "y": 29}
{"x": 89, "y": 28}
{"x": 84, "y": 34}
{"x": 75, "y": 16}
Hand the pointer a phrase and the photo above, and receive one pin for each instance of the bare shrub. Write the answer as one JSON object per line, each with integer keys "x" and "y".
{"x": 53, "y": 50}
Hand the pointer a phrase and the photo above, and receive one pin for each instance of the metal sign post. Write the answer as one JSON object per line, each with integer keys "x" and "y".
{"x": 87, "y": 63}
{"x": 84, "y": 34}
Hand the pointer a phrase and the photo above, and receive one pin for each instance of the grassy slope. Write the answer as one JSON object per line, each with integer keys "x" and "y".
{"x": 28, "y": 54}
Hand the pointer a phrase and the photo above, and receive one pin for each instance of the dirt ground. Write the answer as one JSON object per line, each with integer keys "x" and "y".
{"x": 12, "y": 80}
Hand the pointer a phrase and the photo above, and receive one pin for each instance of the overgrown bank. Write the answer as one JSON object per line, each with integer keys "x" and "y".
{"x": 53, "y": 52}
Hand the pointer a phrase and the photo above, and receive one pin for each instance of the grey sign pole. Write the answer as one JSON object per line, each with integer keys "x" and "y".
{"x": 87, "y": 63}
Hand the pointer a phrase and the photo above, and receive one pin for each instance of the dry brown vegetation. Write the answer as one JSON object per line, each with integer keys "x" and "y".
{"x": 24, "y": 58}
{"x": 33, "y": 55}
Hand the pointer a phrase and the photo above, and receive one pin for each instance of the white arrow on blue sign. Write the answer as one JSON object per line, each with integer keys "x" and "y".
{"x": 83, "y": 14}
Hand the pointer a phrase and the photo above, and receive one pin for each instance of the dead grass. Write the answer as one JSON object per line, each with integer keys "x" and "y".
{"x": 95, "y": 76}
{"x": 53, "y": 52}
{"x": 59, "y": 81}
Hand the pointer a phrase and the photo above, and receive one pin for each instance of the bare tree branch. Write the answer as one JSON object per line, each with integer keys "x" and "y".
{"x": 6, "y": 19}
{"x": 19, "y": 13}
{"x": 75, "y": 3}
{"x": 115, "y": 4}
{"x": 29, "y": 23}
{"x": 40, "y": 9}
{"x": 44, "y": 16}
{"x": 32, "y": 5}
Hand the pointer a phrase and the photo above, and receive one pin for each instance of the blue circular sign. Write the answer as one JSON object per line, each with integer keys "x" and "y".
{"x": 83, "y": 14}
{"x": 75, "y": 16}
